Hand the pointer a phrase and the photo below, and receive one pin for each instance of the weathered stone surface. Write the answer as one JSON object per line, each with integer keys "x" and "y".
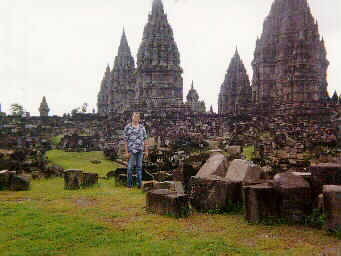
{"x": 5, "y": 177}
{"x": 115, "y": 173}
{"x": 44, "y": 108}
{"x": 318, "y": 202}
{"x": 260, "y": 202}
{"x": 305, "y": 175}
{"x": 193, "y": 101}
{"x": 183, "y": 174}
{"x": 243, "y": 170}
{"x": 215, "y": 165}
{"x": 19, "y": 183}
{"x": 332, "y": 207}
{"x": 213, "y": 192}
{"x": 176, "y": 186}
{"x": 148, "y": 185}
{"x": 235, "y": 92}
{"x": 161, "y": 185}
{"x": 165, "y": 202}
{"x": 73, "y": 179}
{"x": 324, "y": 174}
{"x": 89, "y": 179}
{"x": 234, "y": 150}
{"x": 294, "y": 196}
{"x": 290, "y": 65}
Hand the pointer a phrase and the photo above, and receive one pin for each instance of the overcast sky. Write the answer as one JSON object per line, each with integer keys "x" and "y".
{"x": 60, "y": 48}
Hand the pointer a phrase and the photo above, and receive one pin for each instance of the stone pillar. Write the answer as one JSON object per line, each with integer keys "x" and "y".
{"x": 332, "y": 207}
{"x": 260, "y": 202}
{"x": 73, "y": 179}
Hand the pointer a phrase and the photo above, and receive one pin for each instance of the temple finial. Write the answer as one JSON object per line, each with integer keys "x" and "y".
{"x": 157, "y": 8}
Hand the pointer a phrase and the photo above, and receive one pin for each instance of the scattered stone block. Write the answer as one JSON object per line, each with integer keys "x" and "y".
{"x": 243, "y": 170}
{"x": 176, "y": 186}
{"x": 260, "y": 202}
{"x": 161, "y": 185}
{"x": 20, "y": 183}
{"x": 324, "y": 174}
{"x": 318, "y": 202}
{"x": 72, "y": 179}
{"x": 305, "y": 175}
{"x": 294, "y": 196}
{"x": 148, "y": 185}
{"x": 5, "y": 178}
{"x": 332, "y": 207}
{"x": 89, "y": 179}
{"x": 217, "y": 165}
{"x": 233, "y": 150}
{"x": 95, "y": 161}
{"x": 166, "y": 202}
{"x": 213, "y": 192}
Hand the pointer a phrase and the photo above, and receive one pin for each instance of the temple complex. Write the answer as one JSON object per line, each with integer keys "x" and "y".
{"x": 290, "y": 65}
{"x": 44, "y": 108}
{"x": 193, "y": 101}
{"x": 157, "y": 81}
{"x": 235, "y": 92}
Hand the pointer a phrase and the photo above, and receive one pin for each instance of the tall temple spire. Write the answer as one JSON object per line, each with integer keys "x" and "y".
{"x": 44, "y": 108}
{"x": 124, "y": 48}
{"x": 159, "y": 75}
{"x": 290, "y": 65}
{"x": 235, "y": 92}
{"x": 157, "y": 9}
{"x": 193, "y": 101}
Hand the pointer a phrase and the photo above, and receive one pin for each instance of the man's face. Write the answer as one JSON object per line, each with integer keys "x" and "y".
{"x": 136, "y": 117}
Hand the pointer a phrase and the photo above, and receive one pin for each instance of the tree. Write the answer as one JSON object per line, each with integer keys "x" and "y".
{"x": 17, "y": 110}
{"x": 75, "y": 111}
{"x": 84, "y": 107}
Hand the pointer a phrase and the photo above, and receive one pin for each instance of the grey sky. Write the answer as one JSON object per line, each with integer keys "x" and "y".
{"x": 60, "y": 48}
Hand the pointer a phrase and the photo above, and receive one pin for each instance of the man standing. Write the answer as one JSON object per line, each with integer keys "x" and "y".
{"x": 134, "y": 145}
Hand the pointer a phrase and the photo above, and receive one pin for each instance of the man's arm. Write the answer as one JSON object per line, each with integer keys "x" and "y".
{"x": 145, "y": 143}
{"x": 126, "y": 143}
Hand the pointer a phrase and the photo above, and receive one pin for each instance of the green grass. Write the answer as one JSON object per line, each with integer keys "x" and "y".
{"x": 110, "y": 220}
{"x": 56, "y": 140}
{"x": 249, "y": 152}
{"x": 74, "y": 160}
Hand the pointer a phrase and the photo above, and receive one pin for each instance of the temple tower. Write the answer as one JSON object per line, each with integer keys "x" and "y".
{"x": 290, "y": 65}
{"x": 44, "y": 108}
{"x": 103, "y": 104}
{"x": 193, "y": 101}
{"x": 159, "y": 75}
{"x": 122, "y": 90}
{"x": 235, "y": 92}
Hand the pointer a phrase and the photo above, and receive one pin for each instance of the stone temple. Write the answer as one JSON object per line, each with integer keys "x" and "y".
{"x": 158, "y": 80}
{"x": 156, "y": 83}
{"x": 193, "y": 101}
{"x": 44, "y": 108}
{"x": 290, "y": 65}
{"x": 117, "y": 91}
{"x": 235, "y": 92}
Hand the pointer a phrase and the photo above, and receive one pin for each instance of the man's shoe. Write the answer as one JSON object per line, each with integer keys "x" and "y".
{"x": 139, "y": 186}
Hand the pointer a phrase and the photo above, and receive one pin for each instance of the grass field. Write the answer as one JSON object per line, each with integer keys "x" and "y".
{"x": 110, "y": 220}
{"x": 74, "y": 160}
{"x": 248, "y": 152}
